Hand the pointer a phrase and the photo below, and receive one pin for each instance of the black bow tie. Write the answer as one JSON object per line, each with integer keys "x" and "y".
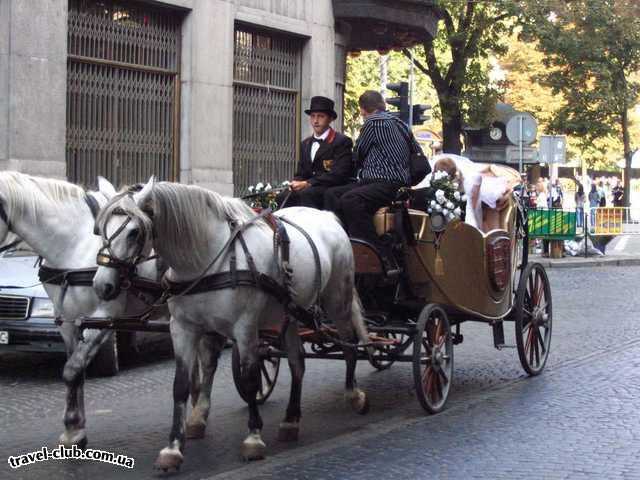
{"x": 319, "y": 140}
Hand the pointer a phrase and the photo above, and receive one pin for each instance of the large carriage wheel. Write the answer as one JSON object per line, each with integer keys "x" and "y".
{"x": 382, "y": 358}
{"x": 269, "y": 368}
{"x": 533, "y": 316}
{"x": 433, "y": 358}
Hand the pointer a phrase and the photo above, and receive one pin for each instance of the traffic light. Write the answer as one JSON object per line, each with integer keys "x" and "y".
{"x": 418, "y": 114}
{"x": 401, "y": 102}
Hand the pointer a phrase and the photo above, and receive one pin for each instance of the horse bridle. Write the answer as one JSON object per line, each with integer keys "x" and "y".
{"x": 126, "y": 267}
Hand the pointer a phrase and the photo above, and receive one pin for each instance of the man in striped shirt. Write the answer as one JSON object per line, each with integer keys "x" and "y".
{"x": 382, "y": 156}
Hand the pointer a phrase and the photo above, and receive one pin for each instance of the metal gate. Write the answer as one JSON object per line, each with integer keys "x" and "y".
{"x": 122, "y": 92}
{"x": 266, "y": 107}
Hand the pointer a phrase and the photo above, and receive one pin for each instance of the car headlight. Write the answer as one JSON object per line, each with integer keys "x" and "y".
{"x": 42, "y": 307}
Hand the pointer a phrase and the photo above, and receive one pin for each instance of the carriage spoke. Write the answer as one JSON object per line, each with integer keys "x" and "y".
{"x": 541, "y": 340}
{"x": 535, "y": 346}
{"x": 439, "y": 387}
{"x": 443, "y": 375}
{"x": 265, "y": 373}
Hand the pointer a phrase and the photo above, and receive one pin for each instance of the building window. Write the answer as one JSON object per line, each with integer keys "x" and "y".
{"x": 266, "y": 106}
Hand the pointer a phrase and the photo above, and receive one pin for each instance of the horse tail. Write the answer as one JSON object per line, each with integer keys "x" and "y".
{"x": 357, "y": 318}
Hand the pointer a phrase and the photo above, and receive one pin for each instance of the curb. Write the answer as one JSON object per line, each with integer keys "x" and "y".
{"x": 593, "y": 262}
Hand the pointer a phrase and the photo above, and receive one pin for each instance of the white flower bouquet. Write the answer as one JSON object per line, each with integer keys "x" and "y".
{"x": 260, "y": 196}
{"x": 441, "y": 194}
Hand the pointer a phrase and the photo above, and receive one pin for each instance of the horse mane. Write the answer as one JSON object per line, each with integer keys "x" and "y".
{"x": 24, "y": 194}
{"x": 182, "y": 218}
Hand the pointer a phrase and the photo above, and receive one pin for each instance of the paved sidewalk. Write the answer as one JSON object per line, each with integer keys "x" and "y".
{"x": 610, "y": 259}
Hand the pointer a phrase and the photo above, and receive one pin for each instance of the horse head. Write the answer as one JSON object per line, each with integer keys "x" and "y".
{"x": 126, "y": 227}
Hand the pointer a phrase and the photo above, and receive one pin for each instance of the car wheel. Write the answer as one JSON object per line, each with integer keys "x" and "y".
{"x": 105, "y": 363}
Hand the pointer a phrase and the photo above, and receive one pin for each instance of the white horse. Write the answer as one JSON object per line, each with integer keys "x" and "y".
{"x": 55, "y": 218}
{"x": 189, "y": 227}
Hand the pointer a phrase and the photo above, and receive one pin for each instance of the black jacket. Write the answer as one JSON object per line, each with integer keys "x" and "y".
{"x": 332, "y": 165}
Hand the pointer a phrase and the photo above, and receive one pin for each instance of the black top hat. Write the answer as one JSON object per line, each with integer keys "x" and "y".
{"x": 322, "y": 104}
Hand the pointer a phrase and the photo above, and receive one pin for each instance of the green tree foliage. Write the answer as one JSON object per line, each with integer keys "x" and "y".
{"x": 363, "y": 73}
{"x": 592, "y": 50}
{"x": 456, "y": 61}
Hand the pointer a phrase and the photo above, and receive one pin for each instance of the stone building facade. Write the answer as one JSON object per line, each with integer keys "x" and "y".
{"x": 208, "y": 92}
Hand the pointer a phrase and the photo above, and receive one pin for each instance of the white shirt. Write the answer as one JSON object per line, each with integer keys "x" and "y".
{"x": 315, "y": 145}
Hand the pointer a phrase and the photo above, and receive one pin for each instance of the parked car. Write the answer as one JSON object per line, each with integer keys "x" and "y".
{"x": 27, "y": 317}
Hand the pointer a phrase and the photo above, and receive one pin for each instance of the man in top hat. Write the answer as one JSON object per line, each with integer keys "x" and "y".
{"x": 325, "y": 159}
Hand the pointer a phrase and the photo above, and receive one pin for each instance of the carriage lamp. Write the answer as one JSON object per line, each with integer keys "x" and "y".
{"x": 42, "y": 307}
{"x": 438, "y": 222}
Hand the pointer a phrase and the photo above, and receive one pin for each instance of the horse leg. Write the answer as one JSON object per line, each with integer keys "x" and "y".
{"x": 209, "y": 348}
{"x": 350, "y": 325}
{"x": 253, "y": 448}
{"x": 196, "y": 381}
{"x": 290, "y": 426}
{"x": 79, "y": 354}
{"x": 185, "y": 343}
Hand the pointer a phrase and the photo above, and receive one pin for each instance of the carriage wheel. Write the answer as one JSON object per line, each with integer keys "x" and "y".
{"x": 269, "y": 368}
{"x": 533, "y": 316}
{"x": 382, "y": 358}
{"x": 433, "y": 358}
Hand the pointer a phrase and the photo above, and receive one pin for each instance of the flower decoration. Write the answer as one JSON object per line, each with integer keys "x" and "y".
{"x": 443, "y": 195}
{"x": 262, "y": 196}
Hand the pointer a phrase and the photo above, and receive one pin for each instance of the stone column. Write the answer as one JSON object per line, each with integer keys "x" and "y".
{"x": 33, "y": 75}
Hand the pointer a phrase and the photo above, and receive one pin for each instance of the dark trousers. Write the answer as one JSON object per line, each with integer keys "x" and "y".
{"x": 309, "y": 197}
{"x": 356, "y": 204}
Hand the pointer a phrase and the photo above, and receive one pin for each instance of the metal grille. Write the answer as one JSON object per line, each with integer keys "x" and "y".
{"x": 122, "y": 92}
{"x": 14, "y": 308}
{"x": 266, "y": 98}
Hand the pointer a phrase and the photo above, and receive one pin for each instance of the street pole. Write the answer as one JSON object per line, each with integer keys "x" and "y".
{"x": 411, "y": 73}
{"x": 383, "y": 75}
{"x": 520, "y": 143}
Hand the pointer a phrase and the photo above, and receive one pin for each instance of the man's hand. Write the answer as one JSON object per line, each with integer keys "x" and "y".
{"x": 297, "y": 185}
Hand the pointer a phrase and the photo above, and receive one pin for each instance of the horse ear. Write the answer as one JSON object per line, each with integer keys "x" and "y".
{"x": 143, "y": 197}
{"x": 106, "y": 187}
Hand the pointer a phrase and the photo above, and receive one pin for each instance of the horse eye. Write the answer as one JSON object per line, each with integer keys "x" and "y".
{"x": 133, "y": 233}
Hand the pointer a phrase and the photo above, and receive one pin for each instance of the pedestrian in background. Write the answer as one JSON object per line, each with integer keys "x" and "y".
{"x": 556, "y": 194}
{"x": 580, "y": 199}
{"x": 542, "y": 202}
{"x": 594, "y": 202}
{"x": 602, "y": 194}
{"x": 618, "y": 195}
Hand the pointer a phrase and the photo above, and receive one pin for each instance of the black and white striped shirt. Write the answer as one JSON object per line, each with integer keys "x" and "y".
{"x": 382, "y": 150}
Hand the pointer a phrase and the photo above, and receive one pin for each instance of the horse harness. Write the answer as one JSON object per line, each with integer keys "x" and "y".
{"x": 251, "y": 277}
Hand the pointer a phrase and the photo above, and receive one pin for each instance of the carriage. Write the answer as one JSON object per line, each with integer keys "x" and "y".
{"x": 450, "y": 273}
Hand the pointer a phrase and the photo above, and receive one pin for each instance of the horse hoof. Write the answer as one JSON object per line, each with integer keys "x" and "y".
{"x": 78, "y": 438}
{"x": 195, "y": 430}
{"x": 288, "y": 432}
{"x": 168, "y": 459}
{"x": 359, "y": 402}
{"x": 253, "y": 448}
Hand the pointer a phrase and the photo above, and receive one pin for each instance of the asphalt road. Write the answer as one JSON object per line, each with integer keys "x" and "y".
{"x": 577, "y": 420}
